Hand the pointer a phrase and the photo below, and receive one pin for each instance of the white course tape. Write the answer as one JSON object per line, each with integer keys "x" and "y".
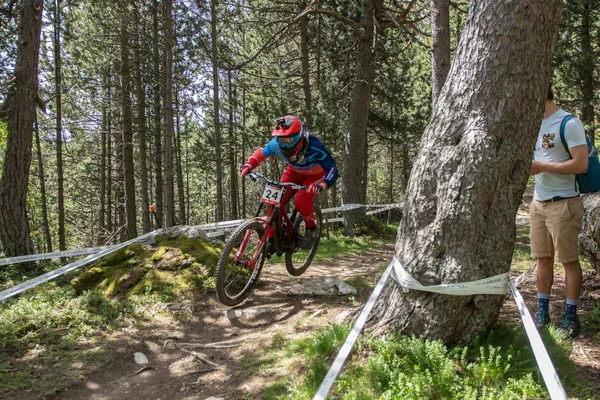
{"x": 5, "y": 294}
{"x": 338, "y": 363}
{"x": 553, "y": 384}
{"x": 56, "y": 254}
{"x": 496, "y": 284}
{"x": 521, "y": 278}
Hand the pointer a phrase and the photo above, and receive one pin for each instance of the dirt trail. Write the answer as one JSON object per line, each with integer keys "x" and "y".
{"x": 174, "y": 374}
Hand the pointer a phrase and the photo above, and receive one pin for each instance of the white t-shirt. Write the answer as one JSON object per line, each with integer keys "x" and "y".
{"x": 549, "y": 148}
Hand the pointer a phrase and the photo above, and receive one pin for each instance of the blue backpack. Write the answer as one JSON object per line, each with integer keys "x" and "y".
{"x": 588, "y": 182}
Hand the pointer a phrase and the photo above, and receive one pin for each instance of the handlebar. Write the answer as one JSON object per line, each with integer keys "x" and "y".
{"x": 255, "y": 176}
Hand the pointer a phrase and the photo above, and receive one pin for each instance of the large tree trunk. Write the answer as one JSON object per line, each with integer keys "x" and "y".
{"x": 14, "y": 224}
{"x": 440, "y": 45}
{"x": 468, "y": 179}
{"x": 128, "y": 168}
{"x": 168, "y": 161}
{"x": 217, "y": 127}
{"x": 354, "y": 176}
{"x": 590, "y": 233}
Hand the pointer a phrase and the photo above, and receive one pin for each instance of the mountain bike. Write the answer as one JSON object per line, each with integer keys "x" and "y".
{"x": 244, "y": 254}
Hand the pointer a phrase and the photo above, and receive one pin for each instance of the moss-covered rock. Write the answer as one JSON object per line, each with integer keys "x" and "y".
{"x": 87, "y": 280}
{"x": 175, "y": 266}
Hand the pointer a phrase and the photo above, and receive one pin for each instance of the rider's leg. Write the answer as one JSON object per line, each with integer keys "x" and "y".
{"x": 304, "y": 200}
{"x": 289, "y": 175}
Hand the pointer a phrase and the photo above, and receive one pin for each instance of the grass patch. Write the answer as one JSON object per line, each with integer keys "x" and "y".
{"x": 339, "y": 245}
{"x": 499, "y": 365}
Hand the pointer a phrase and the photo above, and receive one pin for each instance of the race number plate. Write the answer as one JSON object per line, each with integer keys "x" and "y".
{"x": 272, "y": 195}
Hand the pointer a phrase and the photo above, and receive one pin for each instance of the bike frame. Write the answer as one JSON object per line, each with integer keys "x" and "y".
{"x": 273, "y": 222}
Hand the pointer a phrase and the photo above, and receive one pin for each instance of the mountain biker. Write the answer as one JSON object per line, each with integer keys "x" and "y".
{"x": 309, "y": 164}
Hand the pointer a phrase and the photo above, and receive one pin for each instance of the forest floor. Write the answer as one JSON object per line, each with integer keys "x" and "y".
{"x": 270, "y": 313}
{"x": 270, "y": 318}
{"x": 273, "y": 315}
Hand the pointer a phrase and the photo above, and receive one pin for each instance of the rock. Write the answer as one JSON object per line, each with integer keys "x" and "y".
{"x": 590, "y": 232}
{"x": 140, "y": 358}
{"x": 327, "y": 286}
{"x": 190, "y": 232}
{"x": 180, "y": 307}
{"x": 343, "y": 316}
{"x": 249, "y": 313}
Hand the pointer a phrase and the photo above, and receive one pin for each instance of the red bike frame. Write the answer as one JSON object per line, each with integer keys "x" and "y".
{"x": 274, "y": 220}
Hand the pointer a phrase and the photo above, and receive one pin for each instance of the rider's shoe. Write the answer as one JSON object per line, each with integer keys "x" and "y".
{"x": 270, "y": 247}
{"x": 307, "y": 241}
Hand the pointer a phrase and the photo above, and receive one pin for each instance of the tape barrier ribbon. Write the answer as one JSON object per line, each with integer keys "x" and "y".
{"x": 494, "y": 285}
{"x": 5, "y": 294}
{"x": 56, "y": 254}
{"x": 338, "y": 363}
{"x": 553, "y": 384}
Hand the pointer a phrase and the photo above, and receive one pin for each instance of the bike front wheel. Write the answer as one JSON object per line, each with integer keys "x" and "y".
{"x": 240, "y": 263}
{"x": 297, "y": 263}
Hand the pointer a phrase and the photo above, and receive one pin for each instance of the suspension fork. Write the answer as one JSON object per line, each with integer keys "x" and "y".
{"x": 244, "y": 243}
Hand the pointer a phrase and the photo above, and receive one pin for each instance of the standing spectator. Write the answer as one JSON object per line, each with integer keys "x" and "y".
{"x": 557, "y": 211}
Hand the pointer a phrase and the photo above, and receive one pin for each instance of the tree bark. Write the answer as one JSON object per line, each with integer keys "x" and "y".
{"x": 168, "y": 161}
{"x": 440, "y": 45}
{"x": 62, "y": 241}
{"x": 14, "y": 223}
{"x": 233, "y": 170}
{"x": 306, "y": 71}
{"x": 217, "y": 123}
{"x": 467, "y": 182}
{"x": 158, "y": 165}
{"x": 120, "y": 217}
{"x": 178, "y": 164}
{"x": 42, "y": 178}
{"x": 141, "y": 125}
{"x": 244, "y": 150}
{"x": 587, "y": 71}
{"x": 109, "y": 160}
{"x": 128, "y": 167}
{"x": 354, "y": 181}
{"x": 103, "y": 137}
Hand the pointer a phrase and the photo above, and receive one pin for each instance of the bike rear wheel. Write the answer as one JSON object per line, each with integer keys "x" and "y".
{"x": 236, "y": 273}
{"x": 297, "y": 263}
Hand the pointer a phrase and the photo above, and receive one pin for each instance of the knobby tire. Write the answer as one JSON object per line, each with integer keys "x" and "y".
{"x": 289, "y": 263}
{"x": 225, "y": 268}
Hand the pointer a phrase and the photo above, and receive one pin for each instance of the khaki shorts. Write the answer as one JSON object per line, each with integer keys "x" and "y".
{"x": 555, "y": 228}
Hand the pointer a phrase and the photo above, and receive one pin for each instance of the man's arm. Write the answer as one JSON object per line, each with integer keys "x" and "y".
{"x": 578, "y": 164}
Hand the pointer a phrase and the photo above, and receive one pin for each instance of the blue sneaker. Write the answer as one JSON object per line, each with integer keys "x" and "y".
{"x": 570, "y": 327}
{"x": 542, "y": 319}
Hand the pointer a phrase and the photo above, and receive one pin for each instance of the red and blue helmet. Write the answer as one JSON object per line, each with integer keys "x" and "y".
{"x": 289, "y": 133}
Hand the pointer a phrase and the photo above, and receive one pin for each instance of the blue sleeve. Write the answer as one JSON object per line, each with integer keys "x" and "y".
{"x": 327, "y": 162}
{"x": 331, "y": 172}
{"x": 271, "y": 148}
